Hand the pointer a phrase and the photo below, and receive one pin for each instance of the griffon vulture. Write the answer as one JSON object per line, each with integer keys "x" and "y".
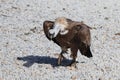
{"x": 69, "y": 34}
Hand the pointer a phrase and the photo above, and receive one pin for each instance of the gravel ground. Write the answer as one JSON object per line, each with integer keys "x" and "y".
{"x": 22, "y": 37}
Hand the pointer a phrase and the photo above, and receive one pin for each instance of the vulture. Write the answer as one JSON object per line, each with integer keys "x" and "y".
{"x": 69, "y": 34}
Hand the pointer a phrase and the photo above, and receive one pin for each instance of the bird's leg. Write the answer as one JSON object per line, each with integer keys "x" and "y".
{"x": 61, "y": 57}
{"x": 74, "y": 50}
{"x": 73, "y": 63}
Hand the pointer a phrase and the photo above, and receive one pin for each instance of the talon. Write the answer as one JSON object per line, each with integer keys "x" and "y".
{"x": 73, "y": 64}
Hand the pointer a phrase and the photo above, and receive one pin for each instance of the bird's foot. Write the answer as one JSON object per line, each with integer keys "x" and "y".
{"x": 73, "y": 64}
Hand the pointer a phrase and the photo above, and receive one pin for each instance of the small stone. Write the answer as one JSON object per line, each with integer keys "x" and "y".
{"x": 117, "y": 34}
{"x": 63, "y": 8}
{"x": 14, "y": 7}
{"x": 74, "y": 78}
{"x": 48, "y": 7}
{"x": 105, "y": 7}
{"x": 33, "y": 29}
{"x": 113, "y": 38}
{"x": 27, "y": 33}
{"x": 28, "y": 5}
{"x": 106, "y": 18}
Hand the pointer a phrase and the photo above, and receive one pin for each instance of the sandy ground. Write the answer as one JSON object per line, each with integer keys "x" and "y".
{"x": 21, "y": 35}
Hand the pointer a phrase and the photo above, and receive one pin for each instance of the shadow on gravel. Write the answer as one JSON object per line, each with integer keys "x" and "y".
{"x": 30, "y": 60}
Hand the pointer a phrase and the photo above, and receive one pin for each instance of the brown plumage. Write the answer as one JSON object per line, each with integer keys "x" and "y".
{"x": 77, "y": 38}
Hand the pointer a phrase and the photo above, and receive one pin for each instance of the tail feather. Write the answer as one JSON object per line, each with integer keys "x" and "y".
{"x": 86, "y": 51}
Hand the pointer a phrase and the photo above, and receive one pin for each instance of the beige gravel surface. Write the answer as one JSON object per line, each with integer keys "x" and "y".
{"x": 22, "y": 37}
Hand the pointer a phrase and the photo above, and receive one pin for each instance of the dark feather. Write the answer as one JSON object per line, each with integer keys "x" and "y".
{"x": 78, "y": 37}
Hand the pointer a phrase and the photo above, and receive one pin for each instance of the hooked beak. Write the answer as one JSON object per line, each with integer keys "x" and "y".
{"x": 53, "y": 32}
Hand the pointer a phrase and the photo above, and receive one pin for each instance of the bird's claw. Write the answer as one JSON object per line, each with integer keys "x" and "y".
{"x": 73, "y": 64}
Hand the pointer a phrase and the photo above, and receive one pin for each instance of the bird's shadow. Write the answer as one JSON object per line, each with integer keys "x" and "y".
{"x": 30, "y": 60}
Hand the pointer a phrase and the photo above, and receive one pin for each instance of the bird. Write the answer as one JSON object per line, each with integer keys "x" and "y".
{"x": 69, "y": 34}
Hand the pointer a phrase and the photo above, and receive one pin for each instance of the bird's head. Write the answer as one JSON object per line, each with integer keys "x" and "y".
{"x": 60, "y": 26}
